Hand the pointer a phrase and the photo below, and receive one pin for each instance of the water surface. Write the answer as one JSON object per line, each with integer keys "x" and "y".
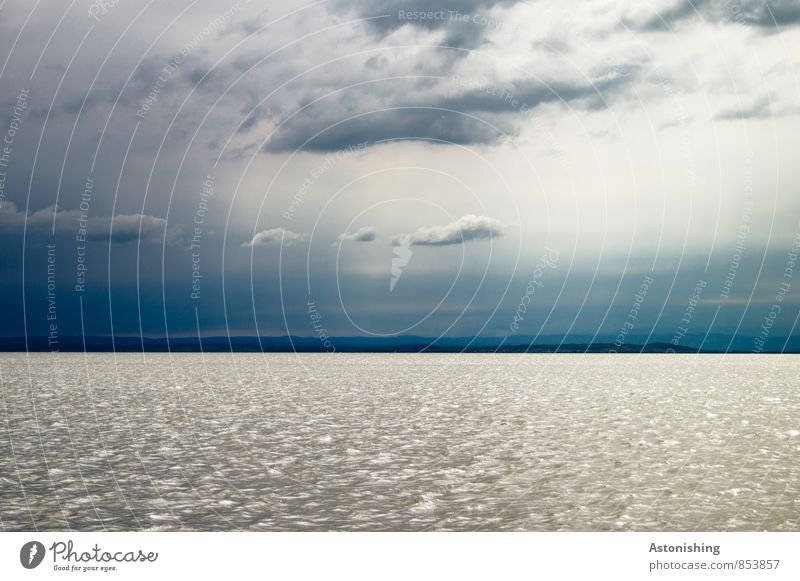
{"x": 399, "y": 442}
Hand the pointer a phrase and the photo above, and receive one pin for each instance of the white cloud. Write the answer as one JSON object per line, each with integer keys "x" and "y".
{"x": 127, "y": 227}
{"x": 365, "y": 234}
{"x": 466, "y": 228}
{"x": 118, "y": 229}
{"x": 275, "y": 236}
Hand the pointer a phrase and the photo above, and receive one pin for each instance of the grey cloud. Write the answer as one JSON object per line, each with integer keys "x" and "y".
{"x": 331, "y": 133}
{"x": 410, "y": 109}
{"x": 758, "y": 109}
{"x": 758, "y": 13}
{"x": 466, "y": 228}
{"x": 524, "y": 94}
{"x": 247, "y": 26}
{"x": 249, "y": 122}
{"x": 274, "y": 236}
{"x": 474, "y": 116}
{"x": 667, "y": 18}
{"x": 365, "y": 234}
{"x": 386, "y": 16}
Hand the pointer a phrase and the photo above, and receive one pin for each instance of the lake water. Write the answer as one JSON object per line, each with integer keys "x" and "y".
{"x": 399, "y": 442}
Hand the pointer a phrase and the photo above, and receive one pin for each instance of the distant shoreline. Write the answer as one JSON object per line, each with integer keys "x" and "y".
{"x": 127, "y": 344}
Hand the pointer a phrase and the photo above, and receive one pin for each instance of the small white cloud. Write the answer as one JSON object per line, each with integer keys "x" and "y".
{"x": 466, "y": 228}
{"x": 127, "y": 227}
{"x": 365, "y": 234}
{"x": 116, "y": 229}
{"x": 275, "y": 236}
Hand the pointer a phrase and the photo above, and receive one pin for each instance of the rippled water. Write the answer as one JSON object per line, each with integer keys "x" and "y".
{"x": 399, "y": 442}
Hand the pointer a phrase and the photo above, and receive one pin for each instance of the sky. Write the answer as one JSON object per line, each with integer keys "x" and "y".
{"x": 613, "y": 169}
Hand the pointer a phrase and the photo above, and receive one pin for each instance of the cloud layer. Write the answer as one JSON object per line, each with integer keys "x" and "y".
{"x": 633, "y": 133}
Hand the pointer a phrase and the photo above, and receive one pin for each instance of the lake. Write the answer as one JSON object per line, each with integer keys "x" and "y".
{"x": 412, "y": 442}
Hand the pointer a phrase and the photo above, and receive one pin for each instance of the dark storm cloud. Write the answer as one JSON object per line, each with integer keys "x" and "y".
{"x": 477, "y": 115}
{"x": 364, "y": 112}
{"x": 334, "y": 132}
{"x": 758, "y": 13}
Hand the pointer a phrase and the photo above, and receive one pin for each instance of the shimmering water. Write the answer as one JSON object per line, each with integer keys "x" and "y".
{"x": 399, "y": 442}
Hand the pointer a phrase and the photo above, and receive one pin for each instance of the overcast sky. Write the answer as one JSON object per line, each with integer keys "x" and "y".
{"x": 408, "y": 167}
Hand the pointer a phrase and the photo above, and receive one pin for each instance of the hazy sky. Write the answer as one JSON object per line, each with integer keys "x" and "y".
{"x": 504, "y": 168}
